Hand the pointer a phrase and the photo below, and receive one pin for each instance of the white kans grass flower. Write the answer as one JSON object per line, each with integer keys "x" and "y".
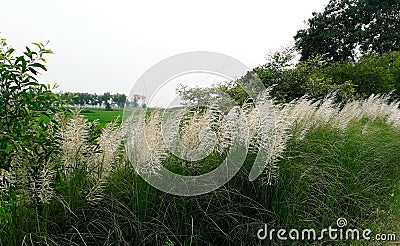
{"x": 375, "y": 107}
{"x": 350, "y": 111}
{"x": 224, "y": 134}
{"x": 74, "y": 136}
{"x": 191, "y": 135}
{"x": 263, "y": 133}
{"x": 302, "y": 112}
{"x": 101, "y": 164}
{"x": 394, "y": 118}
{"x": 33, "y": 180}
{"x": 5, "y": 181}
{"x": 197, "y": 134}
{"x": 42, "y": 187}
{"x": 194, "y": 133}
{"x": 275, "y": 124}
{"x": 32, "y": 170}
{"x": 191, "y": 129}
{"x": 144, "y": 143}
{"x": 109, "y": 142}
{"x": 150, "y": 140}
{"x": 325, "y": 112}
{"x": 378, "y": 106}
{"x": 97, "y": 160}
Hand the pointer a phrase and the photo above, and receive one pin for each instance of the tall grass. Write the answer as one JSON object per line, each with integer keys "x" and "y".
{"x": 327, "y": 162}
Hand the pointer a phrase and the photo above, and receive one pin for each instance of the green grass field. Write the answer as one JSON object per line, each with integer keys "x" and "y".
{"x": 103, "y": 116}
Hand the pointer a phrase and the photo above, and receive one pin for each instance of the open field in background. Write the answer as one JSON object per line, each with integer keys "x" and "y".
{"x": 103, "y": 116}
{"x": 106, "y": 116}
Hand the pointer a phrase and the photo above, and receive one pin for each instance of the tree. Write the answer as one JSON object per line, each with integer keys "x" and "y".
{"x": 135, "y": 101}
{"x": 27, "y": 110}
{"x": 349, "y": 28}
{"x": 119, "y": 99}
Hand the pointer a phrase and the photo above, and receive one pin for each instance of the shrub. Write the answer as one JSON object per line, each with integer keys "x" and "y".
{"x": 372, "y": 74}
{"x": 27, "y": 140}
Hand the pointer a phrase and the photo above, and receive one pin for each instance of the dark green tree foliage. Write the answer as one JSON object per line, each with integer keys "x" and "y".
{"x": 27, "y": 107}
{"x": 380, "y": 25}
{"x": 349, "y": 28}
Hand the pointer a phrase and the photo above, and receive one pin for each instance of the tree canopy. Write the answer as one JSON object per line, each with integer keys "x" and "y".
{"x": 349, "y": 28}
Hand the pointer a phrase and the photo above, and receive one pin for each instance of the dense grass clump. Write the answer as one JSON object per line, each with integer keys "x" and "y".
{"x": 324, "y": 162}
{"x": 326, "y": 175}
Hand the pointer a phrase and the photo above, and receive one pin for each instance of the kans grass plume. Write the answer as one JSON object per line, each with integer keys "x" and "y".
{"x": 270, "y": 127}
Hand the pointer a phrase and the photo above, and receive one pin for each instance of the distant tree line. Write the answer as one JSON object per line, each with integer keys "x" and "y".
{"x": 106, "y": 100}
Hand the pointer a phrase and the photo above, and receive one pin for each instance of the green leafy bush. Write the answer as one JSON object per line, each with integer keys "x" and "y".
{"x": 372, "y": 74}
{"x": 291, "y": 81}
{"x": 27, "y": 139}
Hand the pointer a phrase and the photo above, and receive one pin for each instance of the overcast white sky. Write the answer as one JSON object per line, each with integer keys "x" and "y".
{"x": 105, "y": 46}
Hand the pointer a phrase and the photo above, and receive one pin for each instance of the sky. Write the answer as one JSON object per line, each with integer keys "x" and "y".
{"x": 105, "y": 46}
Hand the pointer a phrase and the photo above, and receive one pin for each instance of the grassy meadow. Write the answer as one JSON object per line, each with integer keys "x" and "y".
{"x": 337, "y": 163}
{"x": 103, "y": 116}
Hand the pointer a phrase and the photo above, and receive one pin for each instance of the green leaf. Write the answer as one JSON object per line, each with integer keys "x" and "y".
{"x": 40, "y": 66}
{"x": 47, "y": 52}
{"x": 39, "y": 45}
{"x": 33, "y": 71}
{"x": 27, "y": 110}
{"x": 44, "y": 119}
{"x": 9, "y": 148}
{"x": 10, "y": 51}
